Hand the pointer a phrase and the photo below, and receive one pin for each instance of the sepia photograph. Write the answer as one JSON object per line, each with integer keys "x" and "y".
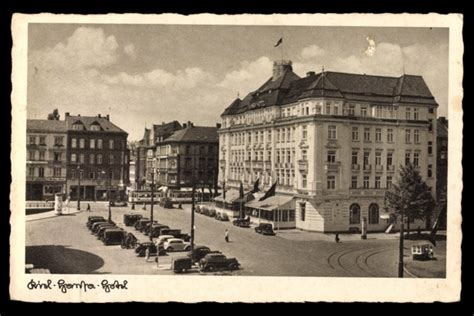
{"x": 222, "y": 151}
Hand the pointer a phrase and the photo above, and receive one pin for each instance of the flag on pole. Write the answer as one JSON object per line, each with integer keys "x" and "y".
{"x": 270, "y": 192}
{"x": 255, "y": 186}
{"x": 279, "y": 42}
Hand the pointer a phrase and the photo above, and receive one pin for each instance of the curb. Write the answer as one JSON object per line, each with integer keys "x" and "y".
{"x": 408, "y": 272}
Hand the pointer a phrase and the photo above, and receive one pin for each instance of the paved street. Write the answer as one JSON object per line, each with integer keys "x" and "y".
{"x": 64, "y": 245}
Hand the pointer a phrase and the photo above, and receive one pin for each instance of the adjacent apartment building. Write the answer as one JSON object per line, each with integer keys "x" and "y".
{"x": 46, "y": 159}
{"x": 97, "y": 154}
{"x": 332, "y": 141}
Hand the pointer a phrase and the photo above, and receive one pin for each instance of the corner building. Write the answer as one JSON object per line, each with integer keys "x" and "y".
{"x": 333, "y": 141}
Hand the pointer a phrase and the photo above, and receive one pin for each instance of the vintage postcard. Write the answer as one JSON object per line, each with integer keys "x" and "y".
{"x": 236, "y": 158}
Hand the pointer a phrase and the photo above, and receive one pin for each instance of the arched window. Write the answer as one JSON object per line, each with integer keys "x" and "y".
{"x": 373, "y": 213}
{"x": 354, "y": 214}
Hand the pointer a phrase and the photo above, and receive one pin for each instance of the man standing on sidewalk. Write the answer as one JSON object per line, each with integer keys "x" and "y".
{"x": 226, "y": 235}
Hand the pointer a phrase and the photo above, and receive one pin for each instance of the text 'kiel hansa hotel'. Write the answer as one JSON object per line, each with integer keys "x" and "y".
{"x": 333, "y": 141}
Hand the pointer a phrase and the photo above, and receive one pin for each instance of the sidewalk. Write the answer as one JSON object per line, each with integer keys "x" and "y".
{"x": 50, "y": 214}
{"x": 300, "y": 235}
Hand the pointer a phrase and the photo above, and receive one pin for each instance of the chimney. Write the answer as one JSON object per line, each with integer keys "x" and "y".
{"x": 79, "y": 115}
{"x": 191, "y": 124}
{"x": 107, "y": 117}
{"x": 218, "y": 125}
{"x": 66, "y": 114}
{"x": 280, "y": 67}
{"x": 99, "y": 116}
{"x": 310, "y": 73}
{"x": 184, "y": 125}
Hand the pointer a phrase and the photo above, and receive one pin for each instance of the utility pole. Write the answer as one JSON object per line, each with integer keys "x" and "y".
{"x": 108, "y": 193}
{"x": 400, "y": 258}
{"x": 78, "y": 187}
{"x": 152, "y": 187}
{"x": 192, "y": 218}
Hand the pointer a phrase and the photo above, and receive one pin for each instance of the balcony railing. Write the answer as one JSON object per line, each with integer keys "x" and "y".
{"x": 367, "y": 167}
{"x": 257, "y": 164}
{"x": 391, "y": 168}
{"x": 247, "y": 164}
{"x": 332, "y": 166}
{"x": 378, "y": 168}
{"x": 355, "y": 167}
{"x": 303, "y": 165}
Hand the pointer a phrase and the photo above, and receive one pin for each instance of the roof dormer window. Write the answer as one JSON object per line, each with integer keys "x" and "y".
{"x": 78, "y": 126}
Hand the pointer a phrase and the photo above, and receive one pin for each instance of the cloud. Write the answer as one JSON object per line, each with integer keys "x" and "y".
{"x": 312, "y": 51}
{"x": 249, "y": 76}
{"x": 130, "y": 51}
{"x": 86, "y": 47}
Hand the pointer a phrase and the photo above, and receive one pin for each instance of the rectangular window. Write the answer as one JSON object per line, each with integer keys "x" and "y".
{"x": 91, "y": 159}
{"x": 92, "y": 144}
{"x": 351, "y": 110}
{"x": 304, "y": 155}
{"x": 304, "y": 181}
{"x": 367, "y": 134}
{"x": 111, "y": 159}
{"x": 81, "y": 143}
{"x": 415, "y": 114}
{"x": 283, "y": 135}
{"x": 378, "y": 158}
{"x": 407, "y": 136}
{"x": 355, "y": 134}
{"x": 269, "y": 136}
{"x": 378, "y": 134}
{"x": 32, "y": 140}
{"x": 32, "y": 155}
{"x": 331, "y": 156}
{"x": 430, "y": 148}
{"x": 408, "y": 113}
{"x": 377, "y": 182}
{"x": 430, "y": 171}
{"x": 416, "y": 159}
{"x": 111, "y": 144}
{"x": 81, "y": 158}
{"x": 390, "y": 135}
{"x": 430, "y": 125}
{"x": 99, "y": 144}
{"x": 95, "y": 127}
{"x": 366, "y": 182}
{"x": 41, "y": 172}
{"x": 42, "y": 140}
{"x": 407, "y": 158}
{"x": 57, "y": 172}
{"x": 355, "y": 156}
{"x": 363, "y": 111}
{"x": 389, "y": 182}
{"x": 354, "y": 182}
{"x": 336, "y": 110}
{"x": 303, "y": 211}
{"x": 416, "y": 136}
{"x": 332, "y": 132}
{"x": 73, "y": 142}
{"x": 58, "y": 156}
{"x": 305, "y": 132}
{"x": 431, "y": 110}
{"x": 73, "y": 158}
{"x": 42, "y": 155}
{"x": 58, "y": 141}
{"x": 366, "y": 158}
{"x": 389, "y": 159}
{"x": 331, "y": 182}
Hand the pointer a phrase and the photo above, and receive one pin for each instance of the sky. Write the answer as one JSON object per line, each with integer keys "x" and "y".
{"x": 148, "y": 74}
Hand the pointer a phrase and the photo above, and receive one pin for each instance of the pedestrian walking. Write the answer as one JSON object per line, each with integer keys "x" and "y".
{"x": 337, "y": 238}
{"x": 88, "y": 207}
{"x": 226, "y": 235}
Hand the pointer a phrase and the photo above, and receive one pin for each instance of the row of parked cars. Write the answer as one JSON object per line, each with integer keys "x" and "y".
{"x": 106, "y": 231}
{"x": 211, "y": 212}
{"x": 169, "y": 240}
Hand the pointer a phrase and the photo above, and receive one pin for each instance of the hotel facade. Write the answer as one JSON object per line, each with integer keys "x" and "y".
{"x": 332, "y": 141}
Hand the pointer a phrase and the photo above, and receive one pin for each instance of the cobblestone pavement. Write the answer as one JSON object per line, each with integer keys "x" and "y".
{"x": 63, "y": 244}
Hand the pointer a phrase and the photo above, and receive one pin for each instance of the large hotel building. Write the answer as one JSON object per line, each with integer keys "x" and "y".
{"x": 332, "y": 141}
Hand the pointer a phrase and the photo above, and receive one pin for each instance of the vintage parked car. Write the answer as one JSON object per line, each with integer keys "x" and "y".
{"x": 141, "y": 223}
{"x": 131, "y": 218}
{"x": 222, "y": 217}
{"x": 205, "y": 211}
{"x": 171, "y": 231}
{"x": 161, "y": 240}
{"x": 140, "y": 250}
{"x": 212, "y": 212}
{"x": 113, "y": 236}
{"x": 94, "y": 219}
{"x": 200, "y": 252}
{"x": 155, "y": 229}
{"x": 181, "y": 264}
{"x": 175, "y": 244}
{"x": 265, "y": 229}
{"x": 118, "y": 203}
{"x": 241, "y": 222}
{"x": 100, "y": 229}
{"x": 184, "y": 236}
{"x": 96, "y": 226}
{"x": 218, "y": 261}
{"x": 129, "y": 241}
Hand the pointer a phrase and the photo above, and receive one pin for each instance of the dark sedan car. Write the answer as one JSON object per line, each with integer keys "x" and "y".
{"x": 94, "y": 219}
{"x": 140, "y": 224}
{"x": 265, "y": 229}
{"x": 200, "y": 252}
{"x": 217, "y": 261}
{"x": 241, "y": 222}
{"x": 156, "y": 230}
{"x": 113, "y": 236}
{"x": 131, "y": 218}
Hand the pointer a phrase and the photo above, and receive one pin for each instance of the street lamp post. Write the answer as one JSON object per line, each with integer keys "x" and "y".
{"x": 108, "y": 193}
{"x": 78, "y": 187}
{"x": 152, "y": 187}
{"x": 192, "y": 218}
{"x": 401, "y": 250}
